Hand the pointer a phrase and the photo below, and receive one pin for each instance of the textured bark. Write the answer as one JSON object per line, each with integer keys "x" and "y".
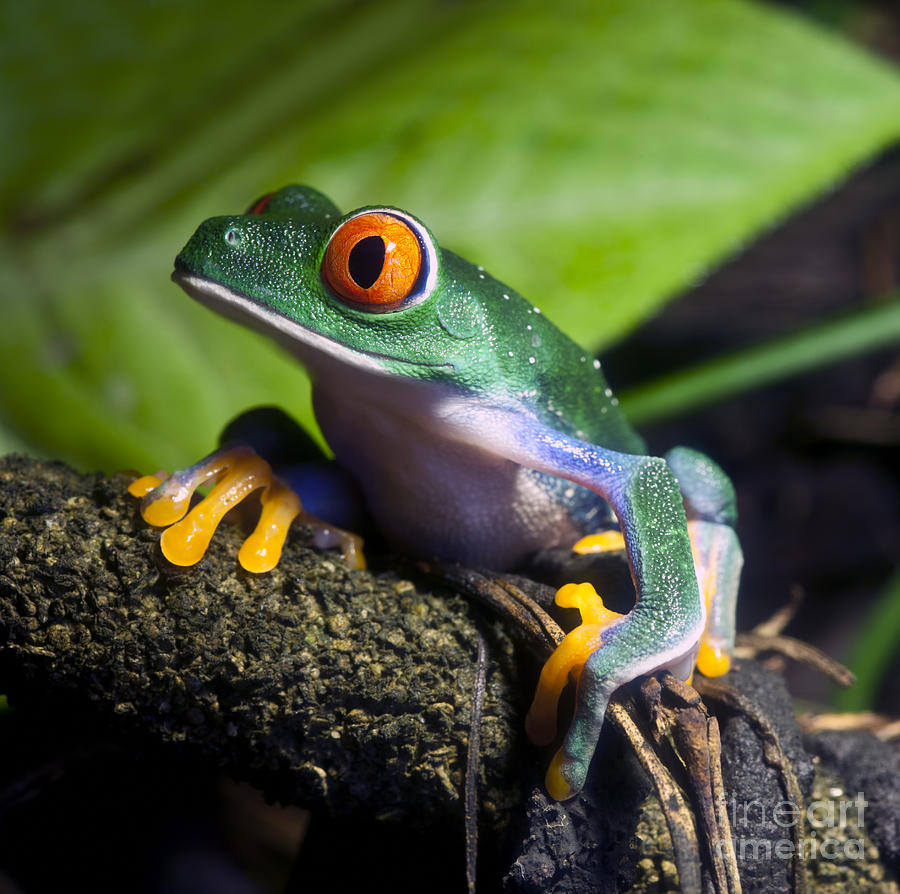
{"x": 326, "y": 687}
{"x": 349, "y": 692}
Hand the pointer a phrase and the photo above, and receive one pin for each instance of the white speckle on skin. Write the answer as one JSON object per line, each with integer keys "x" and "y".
{"x": 537, "y": 310}
{"x": 531, "y": 359}
{"x": 529, "y": 327}
{"x": 583, "y": 358}
{"x": 608, "y": 392}
{"x": 535, "y": 340}
{"x": 481, "y": 276}
{"x": 615, "y": 401}
{"x": 510, "y": 353}
{"x": 596, "y": 364}
{"x": 604, "y": 409}
{"x": 569, "y": 492}
{"x": 506, "y": 296}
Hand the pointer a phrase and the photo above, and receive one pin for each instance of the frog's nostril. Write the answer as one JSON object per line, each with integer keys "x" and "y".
{"x": 233, "y": 237}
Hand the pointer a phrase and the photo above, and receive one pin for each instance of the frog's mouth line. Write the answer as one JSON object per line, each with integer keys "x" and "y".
{"x": 249, "y": 312}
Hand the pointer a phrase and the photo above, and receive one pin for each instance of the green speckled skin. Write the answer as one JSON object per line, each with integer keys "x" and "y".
{"x": 479, "y": 432}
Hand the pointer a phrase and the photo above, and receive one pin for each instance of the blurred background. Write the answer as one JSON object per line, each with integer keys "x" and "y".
{"x": 705, "y": 194}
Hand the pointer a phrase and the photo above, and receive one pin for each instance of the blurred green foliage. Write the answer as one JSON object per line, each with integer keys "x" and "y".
{"x": 874, "y": 650}
{"x": 597, "y": 156}
{"x": 872, "y": 326}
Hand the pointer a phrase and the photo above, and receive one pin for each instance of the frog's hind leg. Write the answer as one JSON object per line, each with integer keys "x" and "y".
{"x": 607, "y": 541}
{"x": 711, "y": 509}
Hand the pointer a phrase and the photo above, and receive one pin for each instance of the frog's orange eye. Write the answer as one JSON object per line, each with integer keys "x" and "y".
{"x": 374, "y": 260}
{"x": 260, "y": 204}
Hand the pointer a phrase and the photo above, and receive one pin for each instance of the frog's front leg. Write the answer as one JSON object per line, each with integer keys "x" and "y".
{"x": 238, "y": 470}
{"x": 711, "y": 508}
{"x": 665, "y": 625}
{"x": 568, "y": 658}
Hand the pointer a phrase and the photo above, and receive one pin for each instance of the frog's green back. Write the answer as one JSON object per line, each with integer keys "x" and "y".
{"x": 538, "y": 364}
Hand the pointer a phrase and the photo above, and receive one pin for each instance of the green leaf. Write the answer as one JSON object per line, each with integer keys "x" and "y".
{"x": 828, "y": 342}
{"x": 597, "y": 156}
{"x": 873, "y": 650}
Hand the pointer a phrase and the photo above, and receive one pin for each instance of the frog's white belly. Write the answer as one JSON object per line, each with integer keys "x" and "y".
{"x": 431, "y": 496}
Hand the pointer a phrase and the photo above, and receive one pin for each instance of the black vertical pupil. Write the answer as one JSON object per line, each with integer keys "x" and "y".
{"x": 366, "y": 261}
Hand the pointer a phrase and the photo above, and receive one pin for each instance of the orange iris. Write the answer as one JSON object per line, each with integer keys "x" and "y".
{"x": 373, "y": 260}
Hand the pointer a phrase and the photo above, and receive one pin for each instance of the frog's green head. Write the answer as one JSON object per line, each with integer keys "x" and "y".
{"x": 370, "y": 289}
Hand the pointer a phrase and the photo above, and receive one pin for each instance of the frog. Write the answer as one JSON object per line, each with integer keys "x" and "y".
{"x": 470, "y": 429}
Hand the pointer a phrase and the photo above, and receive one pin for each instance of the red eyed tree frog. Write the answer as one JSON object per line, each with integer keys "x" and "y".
{"x": 475, "y": 431}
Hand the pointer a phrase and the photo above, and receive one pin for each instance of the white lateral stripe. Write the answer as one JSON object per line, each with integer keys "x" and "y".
{"x": 225, "y": 300}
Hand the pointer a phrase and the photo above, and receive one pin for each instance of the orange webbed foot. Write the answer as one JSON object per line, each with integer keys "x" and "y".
{"x": 718, "y": 560}
{"x": 237, "y": 472}
{"x": 603, "y": 542}
{"x": 568, "y": 657}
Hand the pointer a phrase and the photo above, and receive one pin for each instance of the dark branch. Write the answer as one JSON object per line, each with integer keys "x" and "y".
{"x": 324, "y": 686}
